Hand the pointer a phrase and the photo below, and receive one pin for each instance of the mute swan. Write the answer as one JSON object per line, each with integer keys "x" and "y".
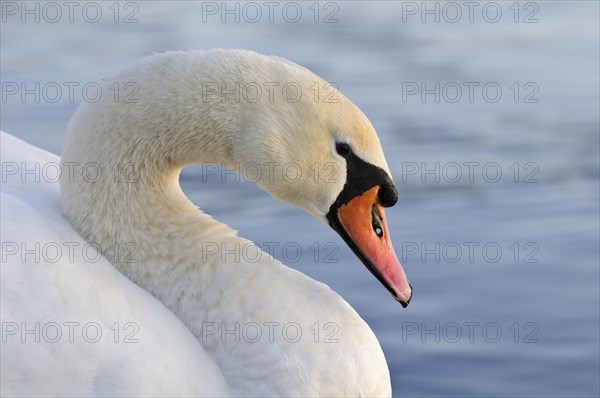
{"x": 260, "y": 327}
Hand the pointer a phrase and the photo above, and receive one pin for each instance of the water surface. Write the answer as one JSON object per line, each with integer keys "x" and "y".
{"x": 520, "y": 322}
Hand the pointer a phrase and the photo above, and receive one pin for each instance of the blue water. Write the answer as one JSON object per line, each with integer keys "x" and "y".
{"x": 520, "y": 322}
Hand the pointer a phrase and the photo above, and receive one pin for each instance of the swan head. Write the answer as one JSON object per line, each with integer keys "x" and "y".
{"x": 293, "y": 133}
{"x": 323, "y": 155}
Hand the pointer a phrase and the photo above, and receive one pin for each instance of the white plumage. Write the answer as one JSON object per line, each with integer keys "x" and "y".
{"x": 173, "y": 284}
{"x": 154, "y": 355}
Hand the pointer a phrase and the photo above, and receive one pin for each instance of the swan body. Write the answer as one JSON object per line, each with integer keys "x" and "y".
{"x": 65, "y": 303}
{"x": 270, "y": 310}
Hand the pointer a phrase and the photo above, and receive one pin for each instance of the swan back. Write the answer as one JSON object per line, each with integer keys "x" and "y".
{"x": 72, "y": 324}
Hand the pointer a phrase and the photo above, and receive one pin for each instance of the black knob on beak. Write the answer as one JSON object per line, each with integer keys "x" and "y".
{"x": 388, "y": 195}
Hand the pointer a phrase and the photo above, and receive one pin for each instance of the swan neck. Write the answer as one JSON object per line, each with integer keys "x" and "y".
{"x": 124, "y": 160}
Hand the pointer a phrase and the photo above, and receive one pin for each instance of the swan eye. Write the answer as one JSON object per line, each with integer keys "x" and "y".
{"x": 342, "y": 148}
{"x": 376, "y": 222}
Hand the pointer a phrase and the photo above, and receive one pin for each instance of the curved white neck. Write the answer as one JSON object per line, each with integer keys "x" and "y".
{"x": 138, "y": 215}
{"x": 125, "y": 160}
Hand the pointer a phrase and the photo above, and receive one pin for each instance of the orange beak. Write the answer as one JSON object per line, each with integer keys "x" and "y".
{"x": 364, "y": 228}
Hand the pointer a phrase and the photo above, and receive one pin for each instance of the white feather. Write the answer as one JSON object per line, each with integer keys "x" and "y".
{"x": 171, "y": 125}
